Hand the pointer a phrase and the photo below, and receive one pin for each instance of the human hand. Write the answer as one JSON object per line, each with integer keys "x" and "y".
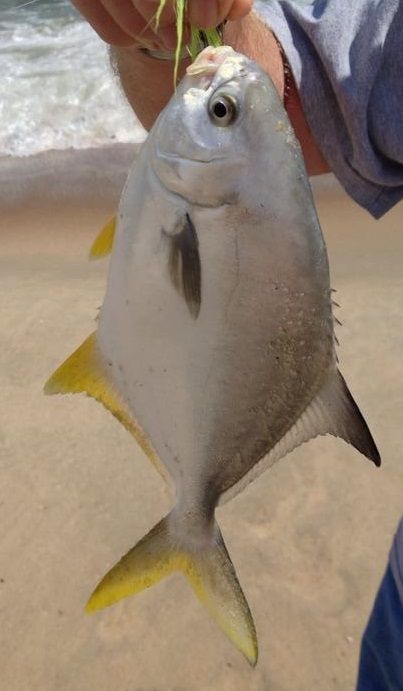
{"x": 127, "y": 22}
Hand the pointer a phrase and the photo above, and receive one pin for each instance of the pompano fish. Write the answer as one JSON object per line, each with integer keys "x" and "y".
{"x": 215, "y": 344}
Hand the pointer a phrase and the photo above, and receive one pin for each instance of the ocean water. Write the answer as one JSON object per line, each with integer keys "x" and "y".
{"x": 57, "y": 89}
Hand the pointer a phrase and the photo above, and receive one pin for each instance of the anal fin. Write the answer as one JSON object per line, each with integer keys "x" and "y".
{"x": 84, "y": 372}
{"x": 333, "y": 411}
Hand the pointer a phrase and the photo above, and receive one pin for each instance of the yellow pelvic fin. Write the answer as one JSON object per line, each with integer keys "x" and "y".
{"x": 103, "y": 243}
{"x": 210, "y": 573}
{"x": 83, "y": 372}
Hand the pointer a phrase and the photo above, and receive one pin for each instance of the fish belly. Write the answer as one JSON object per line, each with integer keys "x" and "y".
{"x": 215, "y": 393}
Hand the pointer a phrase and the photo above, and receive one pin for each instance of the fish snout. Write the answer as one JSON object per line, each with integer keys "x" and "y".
{"x": 207, "y": 63}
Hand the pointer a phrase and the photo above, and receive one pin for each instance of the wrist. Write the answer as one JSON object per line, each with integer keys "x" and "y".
{"x": 255, "y": 40}
{"x": 314, "y": 159}
{"x": 146, "y": 82}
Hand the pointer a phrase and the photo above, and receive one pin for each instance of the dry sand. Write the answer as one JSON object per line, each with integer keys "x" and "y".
{"x": 309, "y": 539}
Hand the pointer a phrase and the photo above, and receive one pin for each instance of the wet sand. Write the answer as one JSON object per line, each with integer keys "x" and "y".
{"x": 309, "y": 539}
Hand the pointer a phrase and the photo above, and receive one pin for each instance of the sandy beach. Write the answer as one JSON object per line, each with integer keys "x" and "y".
{"x": 309, "y": 539}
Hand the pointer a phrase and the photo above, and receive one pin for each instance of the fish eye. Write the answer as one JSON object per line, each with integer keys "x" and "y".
{"x": 222, "y": 110}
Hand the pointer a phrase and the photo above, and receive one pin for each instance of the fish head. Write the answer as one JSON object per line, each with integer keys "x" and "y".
{"x": 211, "y": 133}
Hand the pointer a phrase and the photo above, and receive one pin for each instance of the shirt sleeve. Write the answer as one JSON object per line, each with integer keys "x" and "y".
{"x": 347, "y": 61}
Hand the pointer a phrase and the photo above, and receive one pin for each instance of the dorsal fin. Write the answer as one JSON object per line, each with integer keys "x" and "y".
{"x": 332, "y": 411}
{"x": 84, "y": 372}
{"x": 103, "y": 243}
{"x": 340, "y": 413}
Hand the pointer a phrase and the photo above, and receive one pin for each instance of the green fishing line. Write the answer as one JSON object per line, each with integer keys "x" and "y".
{"x": 198, "y": 39}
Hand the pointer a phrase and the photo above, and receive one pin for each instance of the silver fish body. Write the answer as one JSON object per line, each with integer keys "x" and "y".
{"x": 217, "y": 331}
{"x": 215, "y": 393}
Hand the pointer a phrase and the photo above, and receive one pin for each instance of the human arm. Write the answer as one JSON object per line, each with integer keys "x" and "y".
{"x": 147, "y": 82}
{"x": 346, "y": 94}
{"x": 129, "y": 25}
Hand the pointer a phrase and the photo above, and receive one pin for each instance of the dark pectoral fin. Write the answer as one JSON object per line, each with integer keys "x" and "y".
{"x": 185, "y": 266}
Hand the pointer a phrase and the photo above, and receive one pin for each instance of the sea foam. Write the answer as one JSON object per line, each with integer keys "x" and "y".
{"x": 57, "y": 88}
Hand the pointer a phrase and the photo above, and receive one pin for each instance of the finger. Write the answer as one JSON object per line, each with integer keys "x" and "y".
{"x": 141, "y": 25}
{"x": 102, "y": 22}
{"x": 210, "y": 13}
{"x": 239, "y": 9}
{"x": 148, "y": 10}
{"x": 165, "y": 32}
{"x": 203, "y": 14}
{"x": 125, "y": 16}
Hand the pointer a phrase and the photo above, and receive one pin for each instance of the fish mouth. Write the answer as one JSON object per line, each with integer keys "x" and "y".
{"x": 207, "y": 64}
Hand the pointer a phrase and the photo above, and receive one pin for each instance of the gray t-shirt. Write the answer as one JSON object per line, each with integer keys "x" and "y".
{"x": 347, "y": 60}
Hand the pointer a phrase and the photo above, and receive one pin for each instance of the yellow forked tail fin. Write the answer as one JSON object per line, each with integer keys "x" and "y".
{"x": 209, "y": 571}
{"x": 103, "y": 243}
